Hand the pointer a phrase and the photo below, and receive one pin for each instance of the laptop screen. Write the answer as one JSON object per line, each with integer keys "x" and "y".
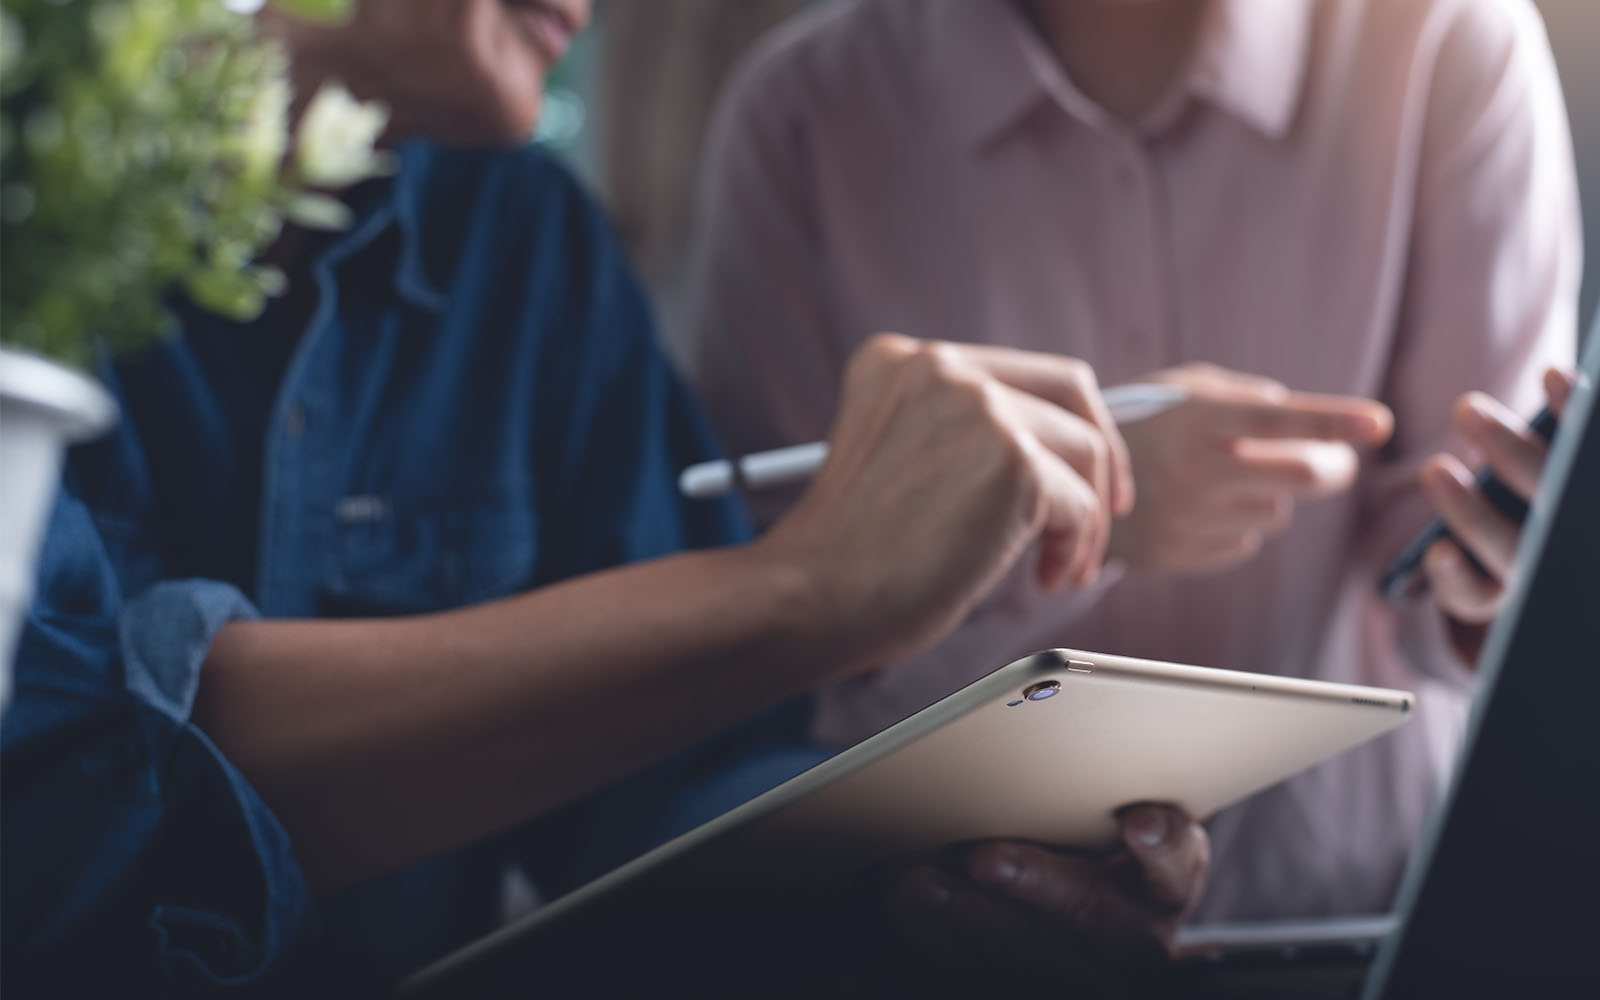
{"x": 1503, "y": 894}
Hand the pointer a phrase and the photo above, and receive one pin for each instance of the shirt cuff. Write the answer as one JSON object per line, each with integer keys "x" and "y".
{"x": 166, "y": 634}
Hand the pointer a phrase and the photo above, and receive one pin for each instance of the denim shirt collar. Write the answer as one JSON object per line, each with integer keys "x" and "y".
{"x": 395, "y": 202}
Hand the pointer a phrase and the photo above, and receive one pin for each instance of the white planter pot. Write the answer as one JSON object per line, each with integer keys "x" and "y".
{"x": 43, "y": 408}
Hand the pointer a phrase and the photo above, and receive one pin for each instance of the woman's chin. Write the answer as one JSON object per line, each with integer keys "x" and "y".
{"x": 501, "y": 124}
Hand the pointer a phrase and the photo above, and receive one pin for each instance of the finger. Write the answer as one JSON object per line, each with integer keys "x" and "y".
{"x": 1224, "y": 550}
{"x": 868, "y": 385}
{"x": 1299, "y": 467}
{"x": 1070, "y": 384}
{"x": 1476, "y": 524}
{"x": 1461, "y": 591}
{"x": 1036, "y": 876}
{"x": 1267, "y": 513}
{"x": 1226, "y": 524}
{"x": 1202, "y": 378}
{"x": 880, "y": 357}
{"x": 1068, "y": 549}
{"x": 1514, "y": 452}
{"x": 1173, "y": 852}
{"x": 1558, "y": 388}
{"x": 1082, "y": 446}
{"x": 1065, "y": 890}
{"x": 1360, "y": 422}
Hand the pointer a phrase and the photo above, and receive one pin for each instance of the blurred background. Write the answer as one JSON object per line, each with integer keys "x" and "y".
{"x": 671, "y": 59}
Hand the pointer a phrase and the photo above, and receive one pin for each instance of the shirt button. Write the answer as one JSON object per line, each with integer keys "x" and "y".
{"x": 294, "y": 421}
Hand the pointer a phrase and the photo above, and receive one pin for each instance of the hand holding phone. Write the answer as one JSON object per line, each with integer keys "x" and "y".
{"x": 1465, "y": 556}
{"x": 1403, "y": 577}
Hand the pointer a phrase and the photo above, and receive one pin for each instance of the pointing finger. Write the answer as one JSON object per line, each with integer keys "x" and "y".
{"x": 1360, "y": 422}
{"x": 1070, "y": 384}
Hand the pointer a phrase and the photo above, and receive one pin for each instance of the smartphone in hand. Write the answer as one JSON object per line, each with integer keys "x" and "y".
{"x": 1403, "y": 576}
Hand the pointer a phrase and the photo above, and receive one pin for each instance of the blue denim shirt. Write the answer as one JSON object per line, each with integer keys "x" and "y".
{"x": 476, "y": 407}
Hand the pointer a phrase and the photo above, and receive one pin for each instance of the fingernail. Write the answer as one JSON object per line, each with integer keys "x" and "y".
{"x": 1440, "y": 480}
{"x": 1435, "y": 477}
{"x": 1147, "y": 827}
{"x": 999, "y": 868}
{"x": 1377, "y": 423}
{"x": 1363, "y": 426}
{"x": 1478, "y": 410}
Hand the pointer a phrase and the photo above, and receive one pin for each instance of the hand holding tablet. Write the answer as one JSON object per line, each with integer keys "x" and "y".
{"x": 1087, "y": 923}
{"x": 989, "y": 763}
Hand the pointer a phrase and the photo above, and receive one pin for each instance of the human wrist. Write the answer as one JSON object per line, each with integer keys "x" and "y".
{"x": 815, "y": 609}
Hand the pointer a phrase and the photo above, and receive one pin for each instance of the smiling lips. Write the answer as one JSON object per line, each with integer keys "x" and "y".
{"x": 549, "y": 26}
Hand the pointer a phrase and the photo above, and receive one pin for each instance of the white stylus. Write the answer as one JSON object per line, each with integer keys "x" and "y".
{"x": 1127, "y": 403}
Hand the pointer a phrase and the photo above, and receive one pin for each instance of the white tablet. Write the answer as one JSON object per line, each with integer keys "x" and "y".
{"x": 1047, "y": 749}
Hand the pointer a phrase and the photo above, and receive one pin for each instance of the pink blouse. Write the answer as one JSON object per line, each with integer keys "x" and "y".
{"x": 1373, "y": 197}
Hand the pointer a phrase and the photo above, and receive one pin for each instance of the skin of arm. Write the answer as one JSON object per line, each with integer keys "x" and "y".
{"x": 433, "y": 729}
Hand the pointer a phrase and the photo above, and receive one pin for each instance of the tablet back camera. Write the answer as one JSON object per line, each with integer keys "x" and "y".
{"x": 1041, "y": 690}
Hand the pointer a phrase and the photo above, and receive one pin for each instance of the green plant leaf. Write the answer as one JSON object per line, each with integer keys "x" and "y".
{"x": 140, "y": 154}
{"x": 319, "y": 10}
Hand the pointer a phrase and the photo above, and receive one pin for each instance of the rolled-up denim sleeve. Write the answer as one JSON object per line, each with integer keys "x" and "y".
{"x": 165, "y": 634}
{"x": 135, "y": 856}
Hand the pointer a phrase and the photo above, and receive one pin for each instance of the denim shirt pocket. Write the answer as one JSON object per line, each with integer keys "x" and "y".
{"x": 396, "y": 556}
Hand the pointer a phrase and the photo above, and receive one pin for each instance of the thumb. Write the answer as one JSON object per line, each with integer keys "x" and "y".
{"x": 1172, "y": 850}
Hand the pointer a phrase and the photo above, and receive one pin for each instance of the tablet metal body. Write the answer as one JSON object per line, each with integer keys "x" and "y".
{"x": 1046, "y": 749}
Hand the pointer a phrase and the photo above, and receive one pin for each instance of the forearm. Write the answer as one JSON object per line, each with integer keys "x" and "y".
{"x": 382, "y": 742}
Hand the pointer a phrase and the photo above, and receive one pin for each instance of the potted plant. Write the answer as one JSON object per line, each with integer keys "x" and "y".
{"x": 144, "y": 152}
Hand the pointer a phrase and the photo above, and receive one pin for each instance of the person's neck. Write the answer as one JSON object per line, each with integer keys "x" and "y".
{"x": 1125, "y": 56}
